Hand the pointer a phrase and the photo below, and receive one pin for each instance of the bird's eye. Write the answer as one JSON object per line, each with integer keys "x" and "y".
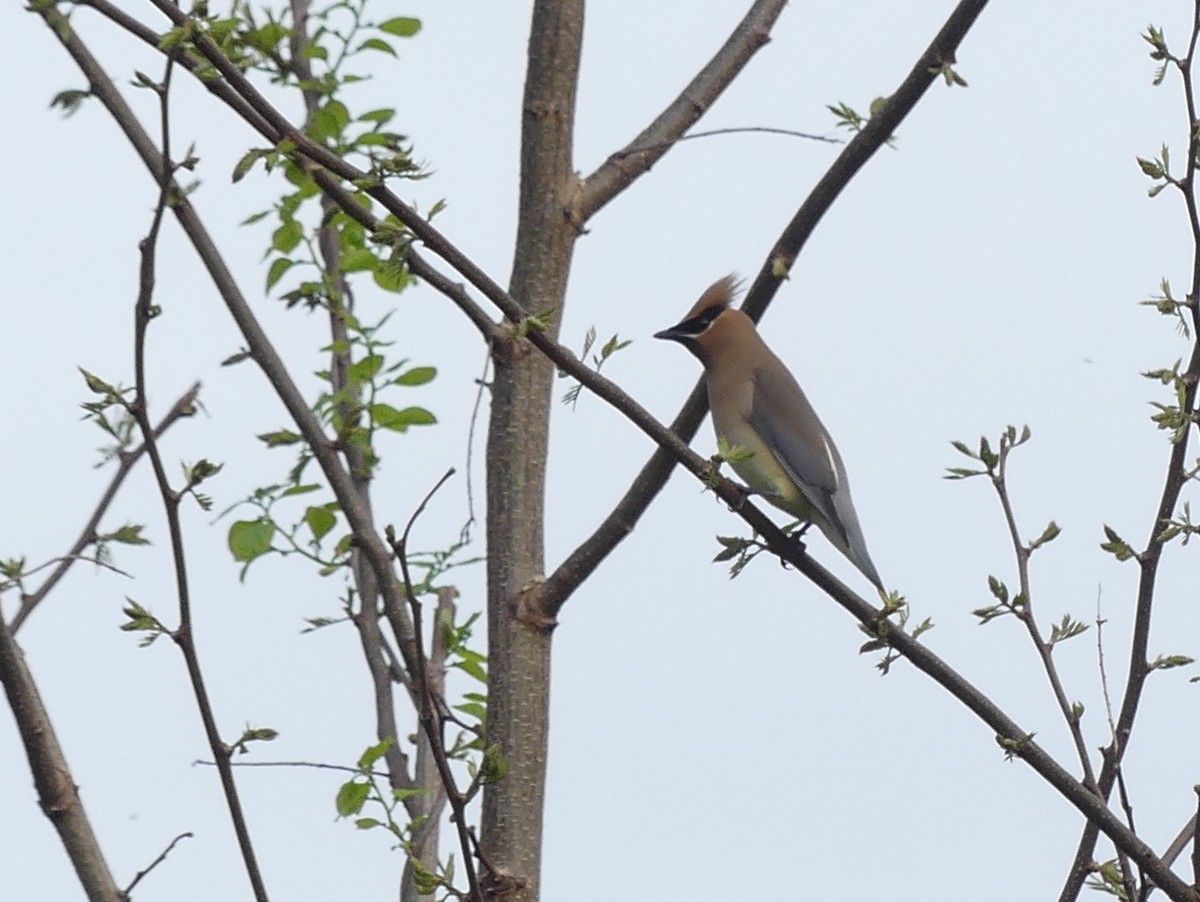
{"x": 699, "y": 323}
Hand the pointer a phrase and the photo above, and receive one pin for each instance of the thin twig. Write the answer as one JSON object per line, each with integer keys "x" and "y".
{"x": 482, "y": 384}
{"x": 735, "y": 130}
{"x": 583, "y": 561}
{"x": 431, "y": 706}
{"x": 1180, "y": 842}
{"x": 1026, "y": 613}
{"x": 184, "y": 407}
{"x": 262, "y": 351}
{"x": 156, "y": 862}
{"x": 1122, "y": 858}
{"x": 624, "y": 166}
{"x": 184, "y": 637}
{"x": 1176, "y": 477}
{"x": 315, "y": 765}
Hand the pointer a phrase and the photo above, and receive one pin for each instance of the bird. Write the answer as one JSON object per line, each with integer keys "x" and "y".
{"x": 758, "y": 406}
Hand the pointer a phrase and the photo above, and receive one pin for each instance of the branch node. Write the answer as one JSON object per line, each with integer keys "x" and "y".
{"x": 529, "y": 606}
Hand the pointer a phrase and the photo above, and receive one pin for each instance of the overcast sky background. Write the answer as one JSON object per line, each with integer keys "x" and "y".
{"x": 711, "y": 739}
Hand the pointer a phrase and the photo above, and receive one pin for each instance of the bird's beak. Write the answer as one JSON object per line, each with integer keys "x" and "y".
{"x": 672, "y": 334}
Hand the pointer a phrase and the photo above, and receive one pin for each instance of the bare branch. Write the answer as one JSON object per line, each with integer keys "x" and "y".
{"x": 431, "y": 704}
{"x": 57, "y": 793}
{"x": 624, "y": 166}
{"x": 653, "y": 476}
{"x": 184, "y": 636}
{"x": 1026, "y": 614}
{"x": 156, "y": 862}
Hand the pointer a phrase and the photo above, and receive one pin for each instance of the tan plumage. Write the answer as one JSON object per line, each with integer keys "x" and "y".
{"x": 758, "y": 405}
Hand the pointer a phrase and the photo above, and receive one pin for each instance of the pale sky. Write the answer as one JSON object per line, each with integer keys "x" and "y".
{"x": 711, "y": 739}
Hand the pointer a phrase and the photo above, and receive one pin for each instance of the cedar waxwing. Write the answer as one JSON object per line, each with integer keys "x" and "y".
{"x": 757, "y": 405}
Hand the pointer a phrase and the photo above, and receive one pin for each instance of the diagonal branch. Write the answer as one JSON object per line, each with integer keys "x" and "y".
{"x": 650, "y": 480}
{"x": 621, "y": 168}
{"x": 184, "y": 407}
{"x": 57, "y": 793}
{"x": 262, "y": 351}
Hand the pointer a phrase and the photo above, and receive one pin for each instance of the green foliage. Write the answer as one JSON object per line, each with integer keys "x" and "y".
{"x": 880, "y": 632}
{"x": 739, "y": 550}
{"x": 1049, "y": 534}
{"x": 535, "y": 322}
{"x": 368, "y": 788}
{"x": 1169, "y": 662}
{"x": 1065, "y": 629}
{"x": 1014, "y": 748}
{"x": 140, "y": 620}
{"x": 1107, "y": 878}
{"x": 1159, "y": 52}
{"x": 986, "y": 456}
{"x": 69, "y": 101}
{"x": 614, "y": 344}
{"x": 1116, "y": 546}
{"x": 253, "y": 734}
{"x": 1158, "y": 170}
{"x": 847, "y": 117}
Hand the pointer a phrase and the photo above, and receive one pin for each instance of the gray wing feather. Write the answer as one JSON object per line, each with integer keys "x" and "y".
{"x": 781, "y": 414}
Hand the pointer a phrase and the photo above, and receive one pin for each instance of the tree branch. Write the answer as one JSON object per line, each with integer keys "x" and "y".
{"x": 57, "y": 793}
{"x": 262, "y": 351}
{"x": 1025, "y": 612}
{"x": 621, "y": 168}
{"x": 184, "y": 636}
{"x": 581, "y": 562}
{"x": 184, "y": 407}
{"x": 1176, "y": 478}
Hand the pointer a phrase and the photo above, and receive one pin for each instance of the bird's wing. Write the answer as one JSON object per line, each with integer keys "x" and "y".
{"x": 781, "y": 414}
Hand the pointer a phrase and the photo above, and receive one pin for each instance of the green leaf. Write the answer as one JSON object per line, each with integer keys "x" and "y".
{"x": 249, "y": 539}
{"x": 387, "y": 417}
{"x": 1116, "y": 546}
{"x": 998, "y": 589}
{"x": 129, "y": 534}
{"x": 381, "y": 116}
{"x": 368, "y": 758}
{"x": 280, "y": 266}
{"x": 299, "y": 490}
{"x": 360, "y": 259}
{"x": 96, "y": 384}
{"x": 280, "y": 438}
{"x": 351, "y": 797}
{"x": 1166, "y": 662}
{"x": 1049, "y": 534}
{"x": 287, "y": 236}
{"x": 377, "y": 44}
{"x": 418, "y": 375}
{"x": 364, "y": 370}
{"x": 69, "y": 101}
{"x": 320, "y": 520}
{"x": 392, "y": 274}
{"x": 401, "y": 26}
{"x": 246, "y": 163}
{"x": 329, "y": 120}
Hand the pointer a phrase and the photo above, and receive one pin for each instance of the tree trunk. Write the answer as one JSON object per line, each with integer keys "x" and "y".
{"x": 518, "y": 633}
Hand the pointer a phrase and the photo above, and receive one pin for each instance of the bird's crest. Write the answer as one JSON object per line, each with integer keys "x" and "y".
{"x": 719, "y": 294}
